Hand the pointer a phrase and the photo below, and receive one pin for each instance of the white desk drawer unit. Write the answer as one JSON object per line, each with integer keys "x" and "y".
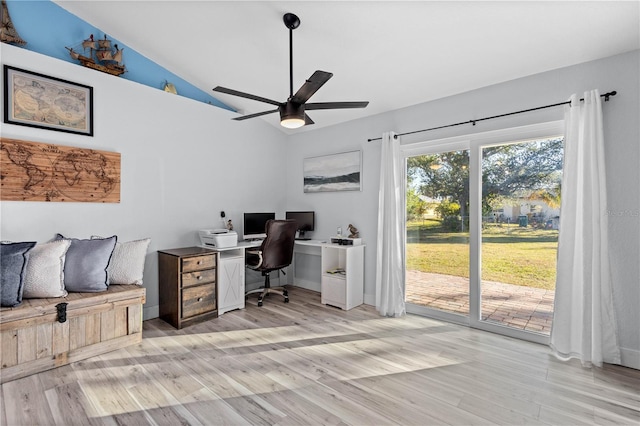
{"x": 342, "y": 276}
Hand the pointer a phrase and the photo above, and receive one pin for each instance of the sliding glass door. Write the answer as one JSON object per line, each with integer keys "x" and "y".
{"x": 520, "y": 223}
{"x": 437, "y": 252}
{"x": 482, "y": 223}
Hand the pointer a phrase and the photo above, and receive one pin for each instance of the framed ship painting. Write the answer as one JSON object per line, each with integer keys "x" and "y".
{"x": 36, "y": 100}
{"x": 336, "y": 172}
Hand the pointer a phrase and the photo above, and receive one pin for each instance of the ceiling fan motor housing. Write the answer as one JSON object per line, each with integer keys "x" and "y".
{"x": 291, "y": 112}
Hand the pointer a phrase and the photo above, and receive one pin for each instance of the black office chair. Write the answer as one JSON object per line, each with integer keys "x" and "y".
{"x": 275, "y": 253}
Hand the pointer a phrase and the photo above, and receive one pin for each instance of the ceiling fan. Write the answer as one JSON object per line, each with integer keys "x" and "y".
{"x": 293, "y": 110}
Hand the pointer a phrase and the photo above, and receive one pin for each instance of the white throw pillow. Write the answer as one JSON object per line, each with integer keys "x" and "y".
{"x": 44, "y": 275}
{"x": 127, "y": 262}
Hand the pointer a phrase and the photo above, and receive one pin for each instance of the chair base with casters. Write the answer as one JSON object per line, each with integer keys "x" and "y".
{"x": 267, "y": 289}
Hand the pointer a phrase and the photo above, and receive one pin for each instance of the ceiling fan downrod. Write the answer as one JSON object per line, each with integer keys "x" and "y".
{"x": 292, "y": 22}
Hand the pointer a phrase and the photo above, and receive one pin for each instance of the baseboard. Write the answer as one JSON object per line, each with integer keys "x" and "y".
{"x": 309, "y": 285}
{"x": 150, "y": 312}
{"x": 630, "y": 358}
{"x": 370, "y": 299}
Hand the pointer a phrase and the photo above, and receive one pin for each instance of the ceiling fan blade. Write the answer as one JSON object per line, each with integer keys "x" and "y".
{"x": 257, "y": 114}
{"x": 244, "y": 95}
{"x": 311, "y": 86}
{"x": 335, "y": 105}
{"x": 308, "y": 120}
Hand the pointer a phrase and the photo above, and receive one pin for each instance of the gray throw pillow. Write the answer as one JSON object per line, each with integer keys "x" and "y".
{"x": 13, "y": 261}
{"x": 86, "y": 262}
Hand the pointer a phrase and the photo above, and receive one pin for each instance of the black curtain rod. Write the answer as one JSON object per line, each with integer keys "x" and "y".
{"x": 606, "y": 97}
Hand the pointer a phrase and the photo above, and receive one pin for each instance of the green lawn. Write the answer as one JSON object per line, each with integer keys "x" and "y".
{"x": 513, "y": 255}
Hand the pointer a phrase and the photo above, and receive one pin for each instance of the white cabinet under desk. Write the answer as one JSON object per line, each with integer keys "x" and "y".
{"x": 342, "y": 276}
{"x": 311, "y": 265}
{"x": 231, "y": 275}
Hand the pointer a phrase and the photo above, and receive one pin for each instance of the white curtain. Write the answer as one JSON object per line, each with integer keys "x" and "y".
{"x": 584, "y": 325}
{"x": 390, "y": 255}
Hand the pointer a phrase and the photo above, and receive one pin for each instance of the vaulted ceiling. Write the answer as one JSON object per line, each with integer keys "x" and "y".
{"x": 392, "y": 53}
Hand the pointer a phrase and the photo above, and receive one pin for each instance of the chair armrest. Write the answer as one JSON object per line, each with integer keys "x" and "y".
{"x": 253, "y": 259}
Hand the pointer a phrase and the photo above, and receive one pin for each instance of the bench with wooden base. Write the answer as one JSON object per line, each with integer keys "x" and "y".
{"x": 41, "y": 334}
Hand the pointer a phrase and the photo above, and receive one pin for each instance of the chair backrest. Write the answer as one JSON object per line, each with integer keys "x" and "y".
{"x": 277, "y": 247}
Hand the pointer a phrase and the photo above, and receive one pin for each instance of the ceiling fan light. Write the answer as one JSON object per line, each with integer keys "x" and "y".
{"x": 292, "y": 116}
{"x": 292, "y": 123}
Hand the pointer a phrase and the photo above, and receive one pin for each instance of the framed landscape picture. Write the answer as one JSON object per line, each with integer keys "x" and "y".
{"x": 36, "y": 100}
{"x": 335, "y": 172}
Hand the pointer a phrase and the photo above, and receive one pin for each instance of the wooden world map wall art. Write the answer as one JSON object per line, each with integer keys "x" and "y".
{"x": 33, "y": 171}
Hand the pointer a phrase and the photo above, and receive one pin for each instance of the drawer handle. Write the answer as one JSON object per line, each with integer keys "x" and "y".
{"x": 199, "y": 277}
{"x": 199, "y": 299}
{"x": 198, "y": 262}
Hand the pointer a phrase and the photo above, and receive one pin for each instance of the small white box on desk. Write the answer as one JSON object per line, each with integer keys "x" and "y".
{"x": 218, "y": 238}
{"x": 343, "y": 241}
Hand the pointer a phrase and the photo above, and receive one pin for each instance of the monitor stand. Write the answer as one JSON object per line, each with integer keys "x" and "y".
{"x": 301, "y": 236}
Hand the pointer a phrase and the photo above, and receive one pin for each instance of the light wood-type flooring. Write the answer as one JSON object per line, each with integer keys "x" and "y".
{"x": 303, "y": 363}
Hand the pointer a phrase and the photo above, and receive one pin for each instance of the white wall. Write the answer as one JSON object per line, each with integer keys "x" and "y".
{"x": 182, "y": 162}
{"x": 622, "y": 157}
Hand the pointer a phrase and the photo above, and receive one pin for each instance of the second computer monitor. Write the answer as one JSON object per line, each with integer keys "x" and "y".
{"x": 306, "y": 221}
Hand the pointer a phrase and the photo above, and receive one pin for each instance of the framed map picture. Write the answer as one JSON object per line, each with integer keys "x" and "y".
{"x": 36, "y": 100}
{"x": 335, "y": 172}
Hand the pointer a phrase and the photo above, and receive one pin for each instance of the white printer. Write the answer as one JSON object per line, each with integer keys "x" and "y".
{"x": 218, "y": 238}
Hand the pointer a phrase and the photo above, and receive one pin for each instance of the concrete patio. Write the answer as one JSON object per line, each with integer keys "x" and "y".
{"x": 525, "y": 308}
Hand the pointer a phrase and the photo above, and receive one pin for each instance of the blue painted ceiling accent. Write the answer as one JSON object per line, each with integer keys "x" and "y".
{"x": 47, "y": 28}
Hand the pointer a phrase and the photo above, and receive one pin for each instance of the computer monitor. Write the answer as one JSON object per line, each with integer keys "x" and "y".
{"x": 306, "y": 222}
{"x": 255, "y": 225}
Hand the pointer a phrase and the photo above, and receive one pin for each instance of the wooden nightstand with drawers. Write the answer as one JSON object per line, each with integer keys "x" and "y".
{"x": 187, "y": 283}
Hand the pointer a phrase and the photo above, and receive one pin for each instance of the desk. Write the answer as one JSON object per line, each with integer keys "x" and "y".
{"x": 311, "y": 261}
